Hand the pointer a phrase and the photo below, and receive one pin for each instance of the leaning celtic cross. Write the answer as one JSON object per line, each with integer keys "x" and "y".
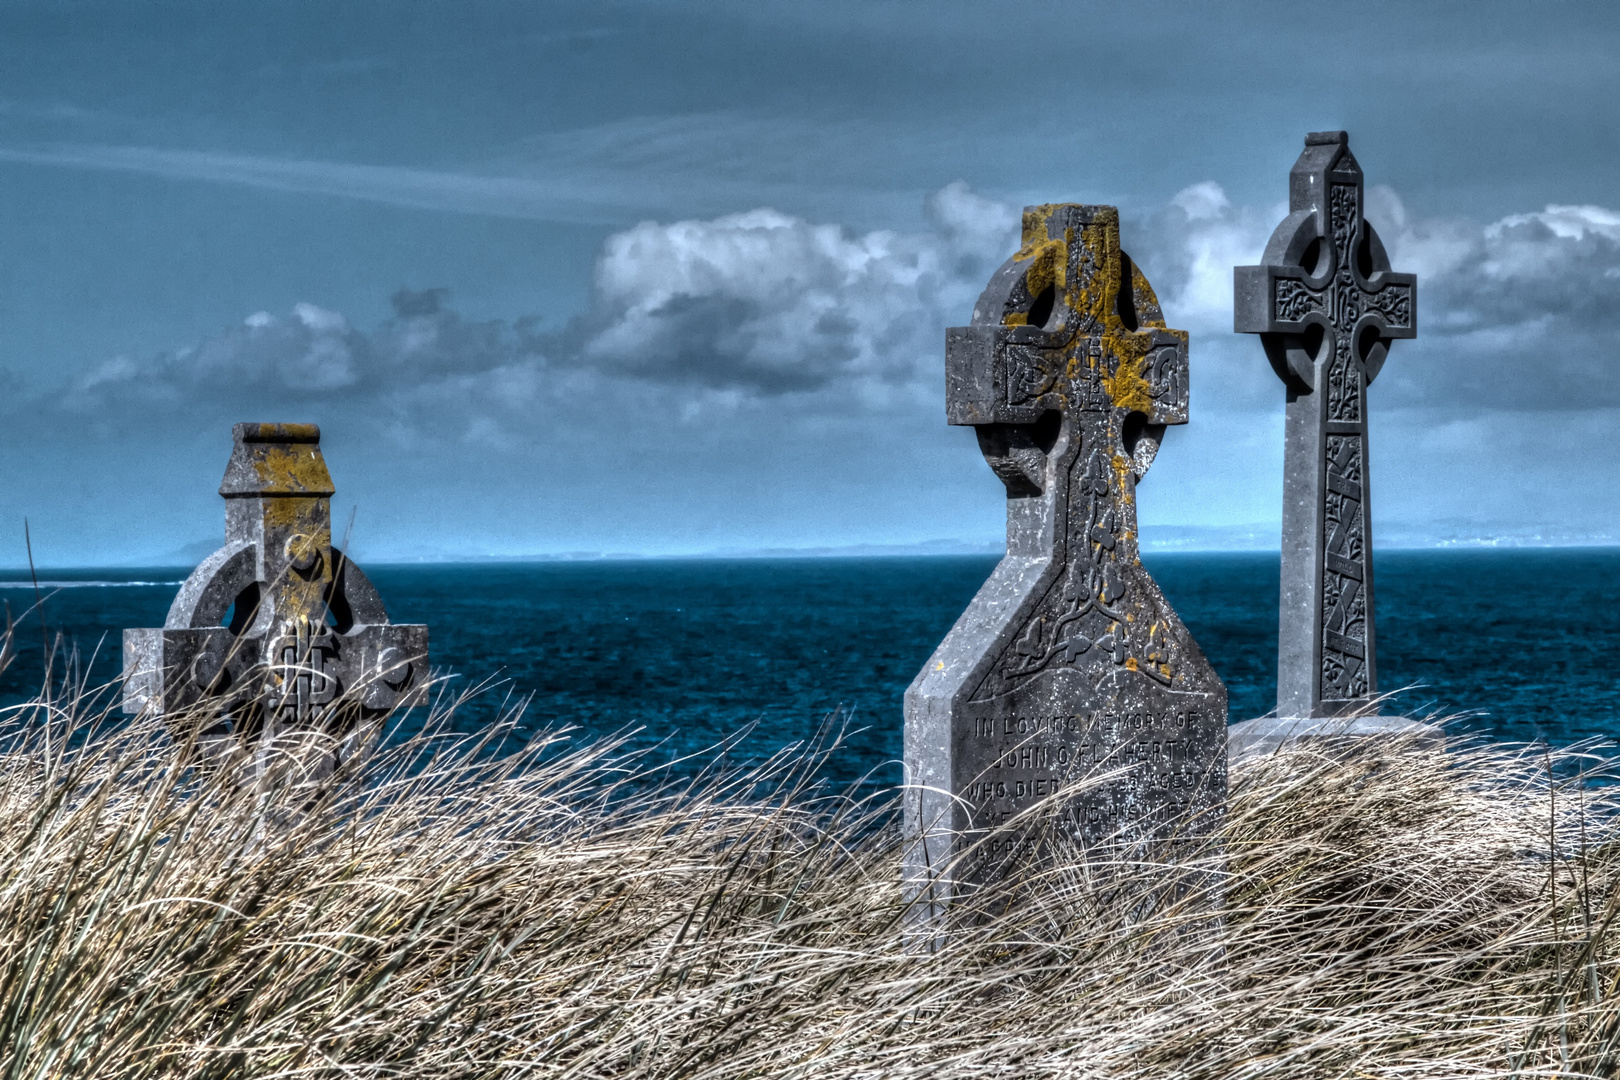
{"x": 1326, "y": 306}
{"x": 1068, "y": 707}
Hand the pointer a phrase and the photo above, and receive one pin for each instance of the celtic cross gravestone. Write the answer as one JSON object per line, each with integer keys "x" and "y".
{"x": 277, "y": 629}
{"x": 1326, "y": 306}
{"x": 1069, "y": 682}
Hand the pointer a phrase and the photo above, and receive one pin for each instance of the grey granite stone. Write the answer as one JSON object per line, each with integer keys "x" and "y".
{"x": 1069, "y": 671}
{"x": 276, "y": 630}
{"x": 1326, "y": 306}
{"x": 1268, "y": 734}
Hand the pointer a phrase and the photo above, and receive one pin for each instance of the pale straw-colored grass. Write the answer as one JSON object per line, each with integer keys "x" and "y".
{"x": 440, "y": 910}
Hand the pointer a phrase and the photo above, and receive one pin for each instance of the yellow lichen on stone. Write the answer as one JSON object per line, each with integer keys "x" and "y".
{"x": 1148, "y": 312}
{"x": 1035, "y": 228}
{"x": 283, "y": 470}
{"x": 299, "y": 515}
{"x": 1047, "y": 267}
{"x": 1128, "y": 388}
{"x": 1046, "y": 256}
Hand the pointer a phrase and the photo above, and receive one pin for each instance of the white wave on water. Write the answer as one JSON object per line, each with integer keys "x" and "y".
{"x": 81, "y": 584}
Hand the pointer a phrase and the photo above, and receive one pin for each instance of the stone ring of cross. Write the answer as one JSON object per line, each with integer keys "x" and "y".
{"x": 1302, "y": 243}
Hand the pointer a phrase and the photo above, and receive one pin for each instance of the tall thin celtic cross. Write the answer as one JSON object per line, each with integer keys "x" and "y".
{"x": 1326, "y": 306}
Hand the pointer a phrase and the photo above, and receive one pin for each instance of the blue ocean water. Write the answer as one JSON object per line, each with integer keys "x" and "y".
{"x": 1527, "y": 642}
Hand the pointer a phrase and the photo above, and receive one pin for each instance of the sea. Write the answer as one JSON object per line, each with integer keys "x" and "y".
{"x": 678, "y": 656}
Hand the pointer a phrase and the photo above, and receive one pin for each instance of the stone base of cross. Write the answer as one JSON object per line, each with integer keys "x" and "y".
{"x": 276, "y": 630}
{"x": 1268, "y": 734}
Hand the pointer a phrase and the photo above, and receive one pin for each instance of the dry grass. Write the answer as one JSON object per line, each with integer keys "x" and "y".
{"x": 439, "y": 912}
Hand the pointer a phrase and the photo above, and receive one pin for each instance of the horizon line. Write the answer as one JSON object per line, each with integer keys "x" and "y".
{"x": 852, "y": 551}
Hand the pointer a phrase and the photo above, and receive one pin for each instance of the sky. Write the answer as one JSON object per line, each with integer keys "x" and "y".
{"x": 673, "y": 278}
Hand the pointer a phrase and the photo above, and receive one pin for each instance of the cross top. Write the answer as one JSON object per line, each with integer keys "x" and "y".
{"x": 1068, "y": 325}
{"x": 277, "y": 627}
{"x": 1070, "y": 376}
{"x": 1326, "y": 306}
{"x": 1324, "y": 294}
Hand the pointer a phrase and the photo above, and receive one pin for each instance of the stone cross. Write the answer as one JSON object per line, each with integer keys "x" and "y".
{"x": 277, "y": 629}
{"x": 1326, "y": 306}
{"x": 1068, "y": 672}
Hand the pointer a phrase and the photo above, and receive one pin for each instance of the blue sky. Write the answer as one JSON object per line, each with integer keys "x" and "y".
{"x": 673, "y": 278}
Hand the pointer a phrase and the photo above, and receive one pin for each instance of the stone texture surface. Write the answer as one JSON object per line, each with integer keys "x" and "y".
{"x": 1268, "y": 734}
{"x": 1326, "y": 306}
{"x": 1069, "y": 664}
{"x": 276, "y": 630}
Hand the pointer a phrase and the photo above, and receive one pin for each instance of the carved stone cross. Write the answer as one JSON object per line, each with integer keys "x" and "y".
{"x": 1069, "y": 665}
{"x": 1326, "y": 306}
{"x": 276, "y": 629}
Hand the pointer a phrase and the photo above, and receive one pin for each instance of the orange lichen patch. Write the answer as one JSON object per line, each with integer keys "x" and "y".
{"x": 1130, "y": 664}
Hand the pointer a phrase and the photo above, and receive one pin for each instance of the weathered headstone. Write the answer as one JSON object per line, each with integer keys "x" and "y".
{"x": 1326, "y": 306}
{"x": 1069, "y": 665}
{"x": 276, "y": 630}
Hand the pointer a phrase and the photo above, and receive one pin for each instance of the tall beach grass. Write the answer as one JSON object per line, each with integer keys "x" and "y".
{"x": 442, "y": 909}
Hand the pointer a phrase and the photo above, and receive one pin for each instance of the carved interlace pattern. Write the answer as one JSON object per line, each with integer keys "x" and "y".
{"x": 1344, "y": 214}
{"x": 1344, "y": 570}
{"x": 1345, "y": 386}
{"x": 1394, "y": 303}
{"x": 1030, "y": 373}
{"x": 1091, "y": 610}
{"x": 1295, "y": 301}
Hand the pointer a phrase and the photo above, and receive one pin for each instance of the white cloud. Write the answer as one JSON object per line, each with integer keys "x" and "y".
{"x": 769, "y": 303}
{"x": 1522, "y": 313}
{"x": 1188, "y": 249}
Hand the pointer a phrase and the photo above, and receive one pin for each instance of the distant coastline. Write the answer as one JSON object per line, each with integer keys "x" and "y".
{"x": 1157, "y": 539}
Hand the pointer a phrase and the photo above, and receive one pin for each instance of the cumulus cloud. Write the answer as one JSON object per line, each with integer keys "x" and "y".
{"x": 1188, "y": 248}
{"x": 766, "y": 303}
{"x": 1520, "y": 313}
{"x": 702, "y": 317}
{"x": 307, "y": 355}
